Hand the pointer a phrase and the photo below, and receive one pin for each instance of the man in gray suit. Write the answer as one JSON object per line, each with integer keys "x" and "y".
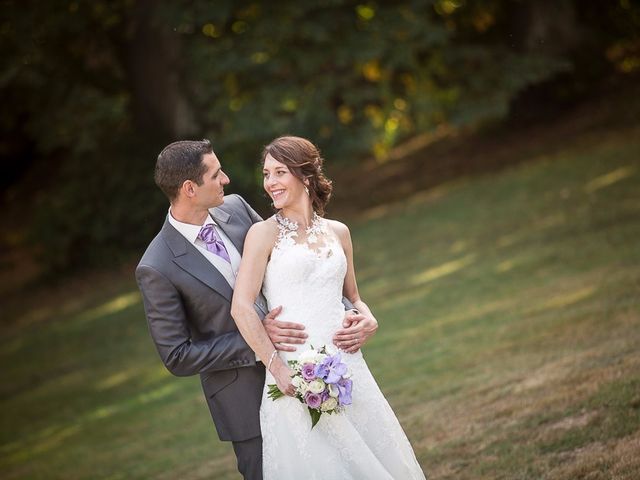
{"x": 186, "y": 277}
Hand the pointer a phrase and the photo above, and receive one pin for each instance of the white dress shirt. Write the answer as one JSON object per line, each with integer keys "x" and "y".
{"x": 190, "y": 232}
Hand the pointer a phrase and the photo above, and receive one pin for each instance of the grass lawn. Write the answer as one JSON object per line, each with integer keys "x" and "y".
{"x": 509, "y": 341}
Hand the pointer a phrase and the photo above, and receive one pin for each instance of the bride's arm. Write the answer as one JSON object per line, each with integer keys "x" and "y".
{"x": 352, "y": 338}
{"x": 257, "y": 246}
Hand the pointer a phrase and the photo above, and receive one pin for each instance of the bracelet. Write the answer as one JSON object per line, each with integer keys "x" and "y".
{"x": 273, "y": 355}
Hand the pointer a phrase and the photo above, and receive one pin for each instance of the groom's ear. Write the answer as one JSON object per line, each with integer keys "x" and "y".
{"x": 188, "y": 189}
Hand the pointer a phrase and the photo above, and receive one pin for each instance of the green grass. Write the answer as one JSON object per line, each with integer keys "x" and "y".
{"x": 508, "y": 346}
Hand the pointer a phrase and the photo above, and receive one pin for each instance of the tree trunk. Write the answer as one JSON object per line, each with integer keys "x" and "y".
{"x": 153, "y": 64}
{"x": 546, "y": 26}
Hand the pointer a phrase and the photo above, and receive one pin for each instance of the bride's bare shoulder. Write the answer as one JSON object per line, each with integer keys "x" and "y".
{"x": 339, "y": 228}
{"x": 263, "y": 233}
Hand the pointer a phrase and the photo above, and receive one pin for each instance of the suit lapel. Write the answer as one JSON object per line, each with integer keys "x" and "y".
{"x": 187, "y": 257}
{"x": 234, "y": 231}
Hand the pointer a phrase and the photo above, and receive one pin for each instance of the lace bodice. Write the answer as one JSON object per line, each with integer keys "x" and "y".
{"x": 305, "y": 275}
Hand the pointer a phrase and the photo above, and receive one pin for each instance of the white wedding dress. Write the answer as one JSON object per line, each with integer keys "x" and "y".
{"x": 365, "y": 441}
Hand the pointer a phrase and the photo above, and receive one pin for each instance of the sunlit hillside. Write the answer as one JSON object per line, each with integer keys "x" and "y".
{"x": 508, "y": 346}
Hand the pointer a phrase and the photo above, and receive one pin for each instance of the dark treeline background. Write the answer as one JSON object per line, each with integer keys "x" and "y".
{"x": 92, "y": 90}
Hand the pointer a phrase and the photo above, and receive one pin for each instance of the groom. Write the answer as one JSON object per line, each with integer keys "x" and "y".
{"x": 186, "y": 277}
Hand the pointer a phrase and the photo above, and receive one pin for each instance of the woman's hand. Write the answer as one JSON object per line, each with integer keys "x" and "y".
{"x": 282, "y": 373}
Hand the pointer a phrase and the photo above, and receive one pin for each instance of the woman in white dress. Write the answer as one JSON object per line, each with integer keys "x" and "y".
{"x": 304, "y": 263}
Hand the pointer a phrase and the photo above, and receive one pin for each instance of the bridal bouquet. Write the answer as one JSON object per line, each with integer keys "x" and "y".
{"x": 322, "y": 382}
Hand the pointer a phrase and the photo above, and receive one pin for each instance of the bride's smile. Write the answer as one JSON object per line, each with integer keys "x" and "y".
{"x": 280, "y": 184}
{"x": 276, "y": 193}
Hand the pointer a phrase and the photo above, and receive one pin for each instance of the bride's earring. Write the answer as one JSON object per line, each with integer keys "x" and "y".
{"x": 306, "y": 190}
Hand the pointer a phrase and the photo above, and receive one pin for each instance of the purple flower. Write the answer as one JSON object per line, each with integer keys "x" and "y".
{"x": 344, "y": 391}
{"x": 308, "y": 371}
{"x": 331, "y": 369}
{"x": 313, "y": 400}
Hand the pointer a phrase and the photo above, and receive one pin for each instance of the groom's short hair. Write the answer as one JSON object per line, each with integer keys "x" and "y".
{"x": 179, "y": 162}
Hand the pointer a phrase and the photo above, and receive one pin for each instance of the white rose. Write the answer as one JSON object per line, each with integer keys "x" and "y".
{"x": 331, "y": 349}
{"x": 319, "y": 357}
{"x": 329, "y": 404}
{"x": 333, "y": 391}
{"x": 307, "y": 357}
{"x": 303, "y": 387}
{"x": 316, "y": 386}
{"x": 296, "y": 381}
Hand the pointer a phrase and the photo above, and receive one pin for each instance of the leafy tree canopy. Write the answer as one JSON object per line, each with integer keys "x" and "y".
{"x": 94, "y": 89}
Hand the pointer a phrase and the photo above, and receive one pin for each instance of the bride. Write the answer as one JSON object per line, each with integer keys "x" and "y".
{"x": 305, "y": 262}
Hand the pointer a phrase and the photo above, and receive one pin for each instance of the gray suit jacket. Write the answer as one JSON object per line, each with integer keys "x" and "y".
{"x": 187, "y": 303}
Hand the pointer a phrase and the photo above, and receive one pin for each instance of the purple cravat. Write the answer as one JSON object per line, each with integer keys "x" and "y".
{"x": 213, "y": 242}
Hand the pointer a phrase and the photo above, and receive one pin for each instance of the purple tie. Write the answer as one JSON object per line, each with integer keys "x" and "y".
{"x": 213, "y": 242}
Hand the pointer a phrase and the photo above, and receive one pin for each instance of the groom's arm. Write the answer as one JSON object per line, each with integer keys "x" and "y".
{"x": 169, "y": 329}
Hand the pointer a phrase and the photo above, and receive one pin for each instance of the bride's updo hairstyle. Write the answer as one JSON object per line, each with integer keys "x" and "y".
{"x": 305, "y": 163}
